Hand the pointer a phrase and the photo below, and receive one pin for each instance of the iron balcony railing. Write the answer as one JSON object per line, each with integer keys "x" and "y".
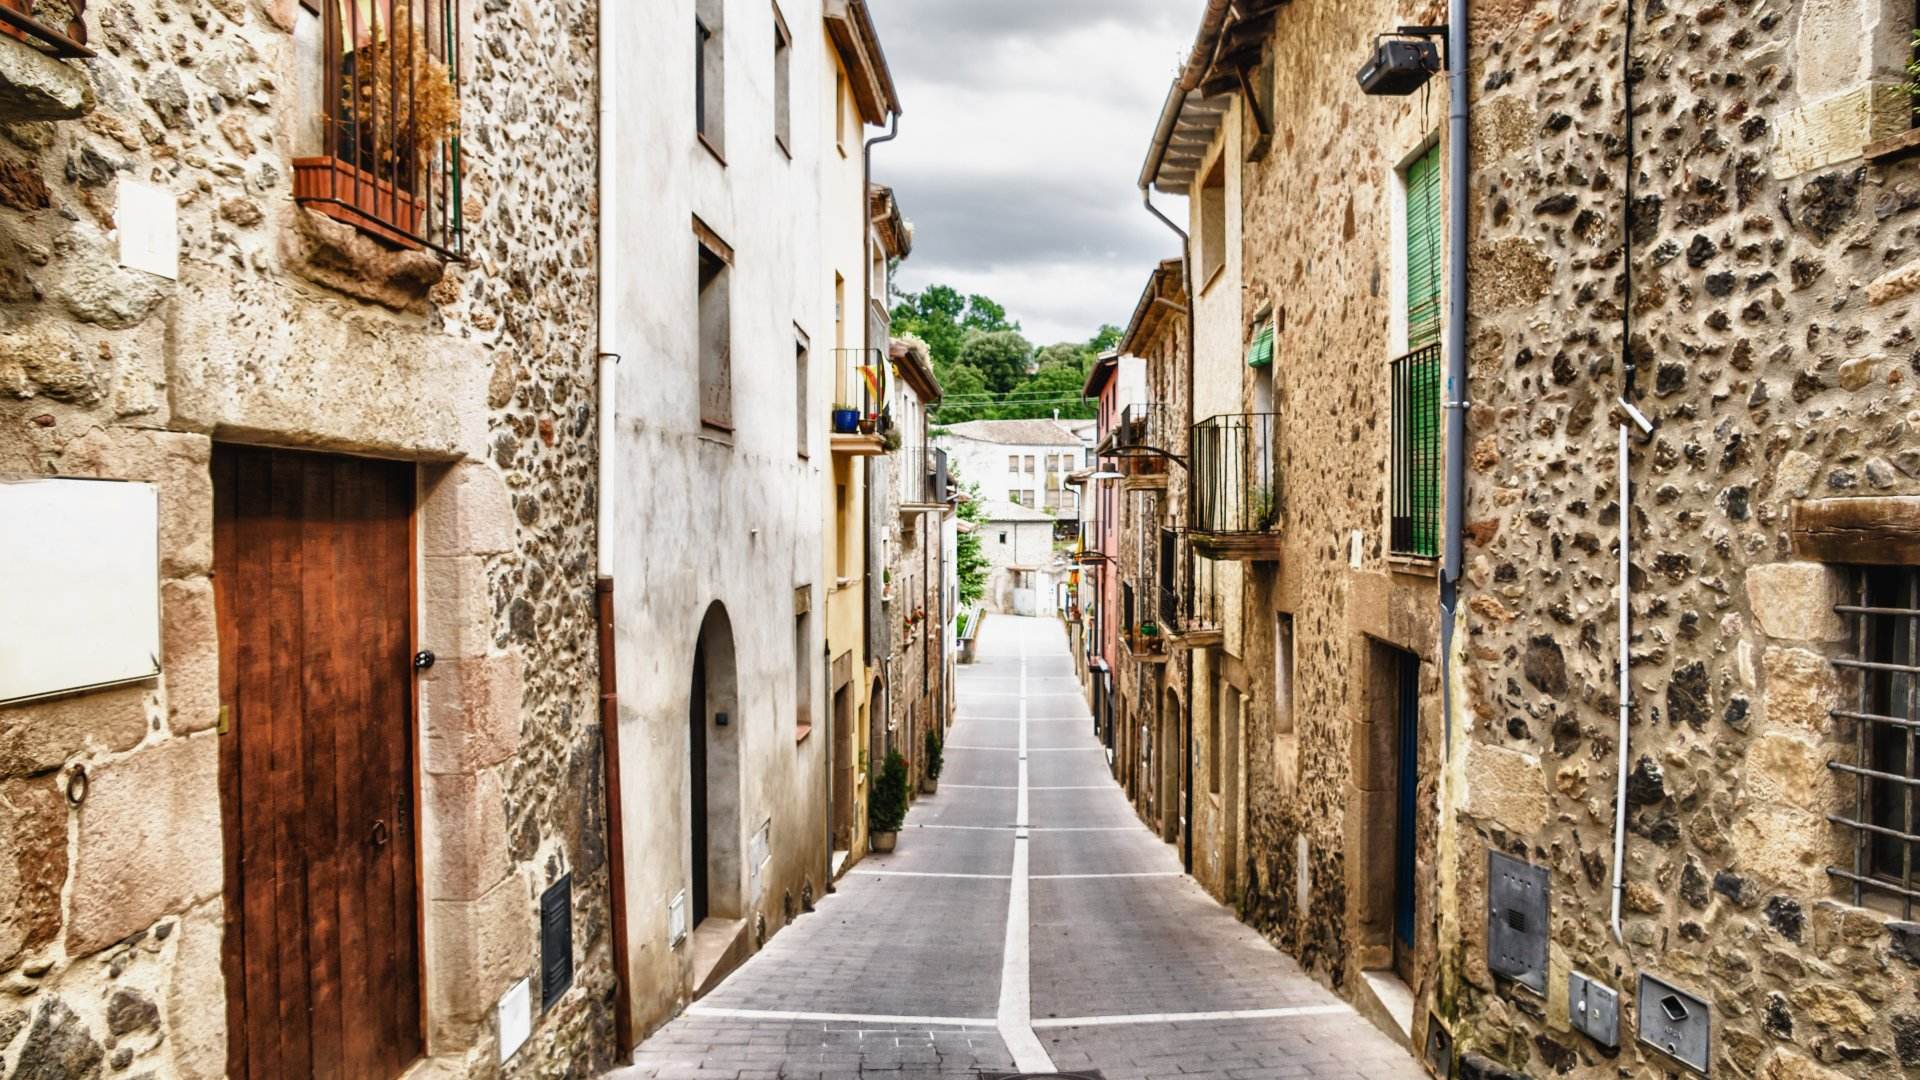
{"x": 389, "y": 162}
{"x": 1189, "y": 598}
{"x": 1415, "y": 466}
{"x": 859, "y": 386}
{"x": 69, "y": 42}
{"x": 1234, "y": 475}
{"x": 924, "y": 480}
{"x": 1147, "y": 429}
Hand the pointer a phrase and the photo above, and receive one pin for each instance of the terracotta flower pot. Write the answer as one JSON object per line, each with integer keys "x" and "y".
{"x": 345, "y": 192}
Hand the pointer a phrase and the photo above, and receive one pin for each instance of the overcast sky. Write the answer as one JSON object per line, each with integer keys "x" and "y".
{"x": 1025, "y": 125}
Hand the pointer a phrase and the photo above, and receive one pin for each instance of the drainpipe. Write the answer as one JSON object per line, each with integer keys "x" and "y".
{"x": 1628, "y": 413}
{"x": 1186, "y": 280}
{"x": 1458, "y": 173}
{"x": 605, "y": 453}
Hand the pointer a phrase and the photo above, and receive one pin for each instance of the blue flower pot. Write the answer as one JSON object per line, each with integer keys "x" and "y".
{"x": 846, "y": 421}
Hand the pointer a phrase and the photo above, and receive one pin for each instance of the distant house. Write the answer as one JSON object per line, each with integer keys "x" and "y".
{"x": 1023, "y": 462}
{"x": 1023, "y": 569}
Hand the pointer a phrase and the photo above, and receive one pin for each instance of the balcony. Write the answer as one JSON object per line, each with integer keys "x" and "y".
{"x": 1234, "y": 499}
{"x": 35, "y": 83}
{"x": 389, "y": 160}
{"x": 1414, "y": 491}
{"x": 924, "y": 482}
{"x": 860, "y": 424}
{"x": 1189, "y": 602}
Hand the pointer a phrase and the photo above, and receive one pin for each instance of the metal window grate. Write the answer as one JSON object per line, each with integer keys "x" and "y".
{"x": 1415, "y": 467}
{"x": 68, "y": 41}
{"x": 1885, "y": 824}
{"x": 1235, "y": 475}
{"x": 391, "y": 161}
{"x": 556, "y": 941}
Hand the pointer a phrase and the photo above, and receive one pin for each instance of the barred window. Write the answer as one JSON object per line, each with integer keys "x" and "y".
{"x": 1886, "y": 775}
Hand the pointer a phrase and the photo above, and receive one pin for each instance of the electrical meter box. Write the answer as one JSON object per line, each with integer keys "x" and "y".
{"x": 1517, "y": 921}
{"x": 1675, "y": 1022}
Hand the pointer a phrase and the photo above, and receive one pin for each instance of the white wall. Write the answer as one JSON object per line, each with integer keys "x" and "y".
{"x": 704, "y": 516}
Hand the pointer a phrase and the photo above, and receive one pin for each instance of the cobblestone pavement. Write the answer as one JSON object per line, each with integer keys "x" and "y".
{"x": 1028, "y": 921}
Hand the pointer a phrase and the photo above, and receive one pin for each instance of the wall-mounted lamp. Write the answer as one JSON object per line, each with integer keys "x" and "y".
{"x": 1403, "y": 61}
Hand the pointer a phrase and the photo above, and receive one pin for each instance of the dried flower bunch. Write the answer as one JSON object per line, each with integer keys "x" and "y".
{"x": 403, "y": 94}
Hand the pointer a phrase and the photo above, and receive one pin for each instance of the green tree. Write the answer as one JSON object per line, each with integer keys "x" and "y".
{"x": 1001, "y": 357}
{"x": 1054, "y": 389}
{"x": 966, "y": 389}
{"x": 1105, "y": 338}
{"x": 933, "y": 315}
{"x": 986, "y": 316}
{"x": 1066, "y": 353}
{"x": 970, "y": 562}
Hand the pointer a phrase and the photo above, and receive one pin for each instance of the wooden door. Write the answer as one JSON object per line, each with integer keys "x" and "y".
{"x": 1406, "y": 815}
{"x": 697, "y": 781}
{"x": 313, "y": 589}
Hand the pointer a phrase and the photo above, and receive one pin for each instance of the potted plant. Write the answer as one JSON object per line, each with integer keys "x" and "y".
{"x": 869, "y": 423}
{"x": 930, "y": 777}
{"x": 846, "y": 418}
{"x": 887, "y": 805}
{"x": 398, "y": 104}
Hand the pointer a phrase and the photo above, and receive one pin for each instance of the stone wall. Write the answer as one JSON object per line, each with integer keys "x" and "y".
{"x": 1774, "y": 348}
{"x": 291, "y": 330}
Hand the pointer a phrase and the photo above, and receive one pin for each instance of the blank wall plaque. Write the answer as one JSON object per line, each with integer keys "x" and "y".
{"x": 1517, "y": 921}
{"x": 79, "y": 585}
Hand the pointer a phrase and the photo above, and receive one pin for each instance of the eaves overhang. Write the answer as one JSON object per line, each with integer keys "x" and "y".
{"x": 850, "y": 25}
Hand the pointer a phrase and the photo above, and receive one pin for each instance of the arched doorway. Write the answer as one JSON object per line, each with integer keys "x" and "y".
{"x": 1171, "y": 751}
{"x": 713, "y": 774}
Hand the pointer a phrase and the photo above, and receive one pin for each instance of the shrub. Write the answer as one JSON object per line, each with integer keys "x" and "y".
{"x": 887, "y": 806}
{"x": 934, "y": 748}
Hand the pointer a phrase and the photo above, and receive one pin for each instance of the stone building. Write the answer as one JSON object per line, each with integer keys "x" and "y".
{"x": 357, "y": 373}
{"x": 1023, "y": 569}
{"x": 918, "y": 583}
{"x": 1738, "y": 269}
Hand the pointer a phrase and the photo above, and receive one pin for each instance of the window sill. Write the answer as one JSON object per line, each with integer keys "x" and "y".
{"x": 1218, "y": 272}
{"x": 1903, "y": 145}
{"x": 1426, "y": 566}
{"x": 786, "y": 150}
{"x": 711, "y": 148}
{"x": 800, "y": 733}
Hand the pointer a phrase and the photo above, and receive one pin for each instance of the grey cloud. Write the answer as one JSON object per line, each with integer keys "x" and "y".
{"x": 979, "y": 222}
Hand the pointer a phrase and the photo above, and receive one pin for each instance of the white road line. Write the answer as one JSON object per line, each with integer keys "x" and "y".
{"x": 1016, "y": 787}
{"x": 717, "y": 1012}
{"x": 1035, "y": 828}
{"x": 1036, "y": 749}
{"x": 1081, "y": 877}
{"x": 1193, "y": 1017}
{"x": 926, "y": 873}
{"x": 1015, "y": 1019}
{"x": 1030, "y": 720}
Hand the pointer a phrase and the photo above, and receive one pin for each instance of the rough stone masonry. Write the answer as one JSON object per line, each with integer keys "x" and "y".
{"x": 286, "y": 328}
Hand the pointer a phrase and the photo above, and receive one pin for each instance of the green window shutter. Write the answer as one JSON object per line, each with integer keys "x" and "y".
{"x": 1423, "y": 250}
{"x": 1261, "y": 354}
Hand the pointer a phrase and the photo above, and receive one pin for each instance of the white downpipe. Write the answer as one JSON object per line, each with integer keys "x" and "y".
{"x": 1626, "y": 702}
{"x": 603, "y": 308}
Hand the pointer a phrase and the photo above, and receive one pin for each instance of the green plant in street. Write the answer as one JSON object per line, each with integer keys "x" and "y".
{"x": 970, "y": 562}
{"x": 935, "y": 746}
{"x": 887, "y": 806}
{"x": 1149, "y": 630}
{"x": 1912, "y": 85}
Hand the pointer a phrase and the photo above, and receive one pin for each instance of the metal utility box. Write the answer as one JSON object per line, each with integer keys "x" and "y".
{"x": 1675, "y": 1022}
{"x": 1517, "y": 921}
{"x": 1593, "y": 1009}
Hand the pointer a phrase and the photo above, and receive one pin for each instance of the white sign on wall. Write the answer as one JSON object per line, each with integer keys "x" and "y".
{"x": 148, "y": 220}
{"x": 515, "y": 1013}
{"x": 79, "y": 585}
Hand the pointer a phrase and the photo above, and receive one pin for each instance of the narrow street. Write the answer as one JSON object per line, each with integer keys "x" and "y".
{"x": 1027, "y": 922}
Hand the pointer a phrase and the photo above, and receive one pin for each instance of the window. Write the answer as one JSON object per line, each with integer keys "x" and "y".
{"x": 709, "y": 75}
{"x": 1213, "y": 222}
{"x": 369, "y": 63}
{"x": 800, "y": 433}
{"x": 782, "y": 84}
{"x": 1885, "y": 817}
{"x": 1003, "y": 538}
{"x": 839, "y": 311}
{"x": 843, "y": 541}
{"x": 1013, "y": 496}
{"x": 1282, "y": 673}
{"x": 1013, "y": 463}
{"x": 802, "y": 663}
{"x": 840, "y": 109}
{"x": 1029, "y": 464}
{"x": 1423, "y": 250}
{"x": 716, "y": 330}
